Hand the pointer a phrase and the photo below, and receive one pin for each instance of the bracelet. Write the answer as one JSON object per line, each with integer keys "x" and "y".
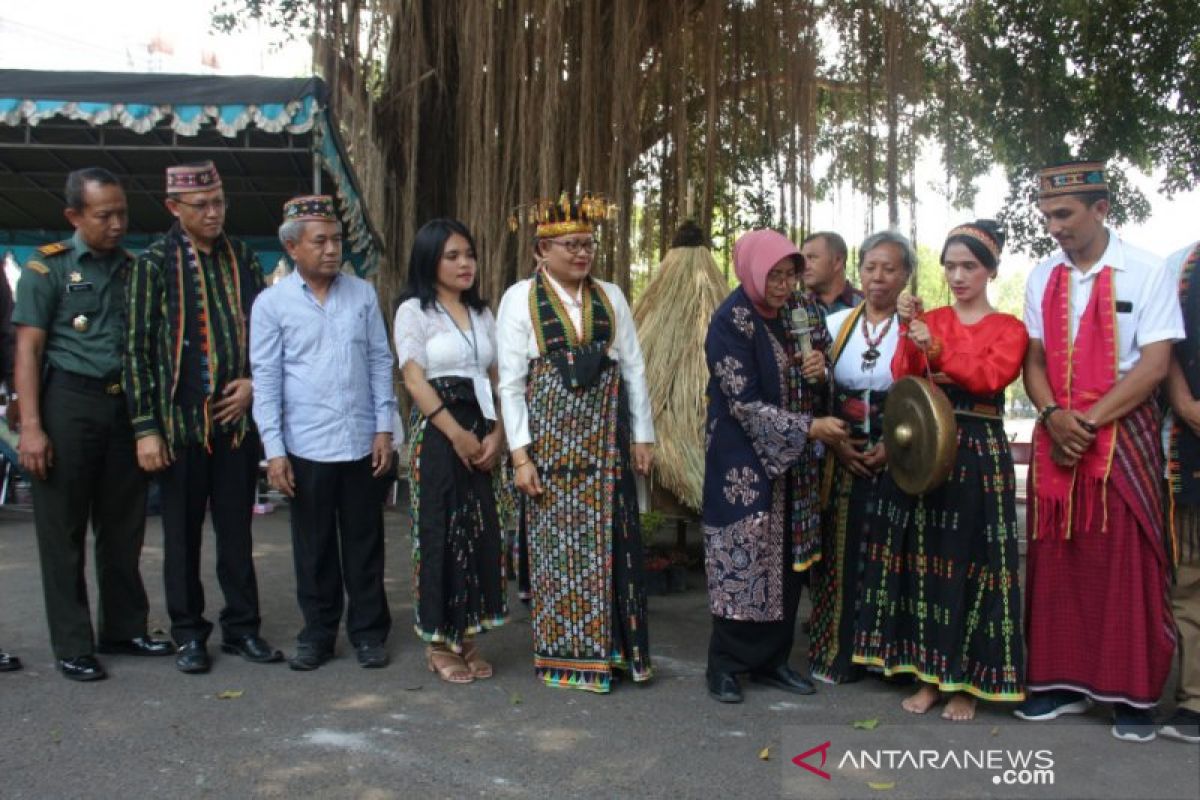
{"x": 1044, "y": 415}
{"x": 436, "y": 411}
{"x": 523, "y": 463}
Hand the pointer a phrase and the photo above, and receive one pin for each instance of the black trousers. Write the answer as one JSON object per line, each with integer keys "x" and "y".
{"x": 337, "y": 545}
{"x": 95, "y": 478}
{"x": 742, "y": 646}
{"x": 223, "y": 481}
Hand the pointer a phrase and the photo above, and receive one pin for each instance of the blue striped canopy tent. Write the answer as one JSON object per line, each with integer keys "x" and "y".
{"x": 271, "y": 139}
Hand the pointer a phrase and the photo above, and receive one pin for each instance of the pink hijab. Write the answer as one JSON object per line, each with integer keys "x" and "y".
{"x": 753, "y": 256}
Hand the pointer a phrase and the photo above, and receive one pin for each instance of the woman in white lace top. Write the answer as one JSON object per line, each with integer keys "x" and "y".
{"x": 446, "y": 348}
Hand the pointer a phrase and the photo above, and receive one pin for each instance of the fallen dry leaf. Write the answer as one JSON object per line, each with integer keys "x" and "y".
{"x": 230, "y": 694}
{"x": 881, "y": 787}
{"x": 765, "y": 754}
{"x": 866, "y": 724}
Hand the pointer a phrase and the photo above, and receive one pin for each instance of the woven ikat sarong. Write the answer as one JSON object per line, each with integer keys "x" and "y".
{"x": 589, "y": 608}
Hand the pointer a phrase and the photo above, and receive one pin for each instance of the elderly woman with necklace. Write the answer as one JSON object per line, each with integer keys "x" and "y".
{"x": 864, "y": 345}
{"x": 577, "y": 414}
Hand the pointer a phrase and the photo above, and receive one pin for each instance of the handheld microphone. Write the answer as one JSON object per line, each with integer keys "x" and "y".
{"x": 802, "y": 330}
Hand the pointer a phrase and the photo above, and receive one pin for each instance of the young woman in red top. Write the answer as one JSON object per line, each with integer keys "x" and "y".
{"x": 942, "y": 599}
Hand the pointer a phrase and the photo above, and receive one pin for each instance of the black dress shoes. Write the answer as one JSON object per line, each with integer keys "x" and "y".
{"x": 371, "y": 655}
{"x": 82, "y": 668}
{"x": 193, "y": 658}
{"x": 9, "y": 663}
{"x": 786, "y": 678}
{"x": 309, "y": 656}
{"x": 252, "y": 648}
{"x": 724, "y": 688}
{"x": 138, "y": 646}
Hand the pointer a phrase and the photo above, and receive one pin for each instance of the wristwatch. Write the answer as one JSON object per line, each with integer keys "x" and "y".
{"x": 1044, "y": 415}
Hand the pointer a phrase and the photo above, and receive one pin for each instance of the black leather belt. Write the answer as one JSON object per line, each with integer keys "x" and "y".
{"x": 85, "y": 383}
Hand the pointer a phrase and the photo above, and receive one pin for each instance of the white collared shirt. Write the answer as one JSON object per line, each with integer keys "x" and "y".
{"x": 1147, "y": 301}
{"x": 516, "y": 345}
{"x": 573, "y": 303}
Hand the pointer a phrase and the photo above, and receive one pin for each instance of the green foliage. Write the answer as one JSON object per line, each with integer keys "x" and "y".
{"x": 289, "y": 18}
{"x": 652, "y": 522}
{"x": 1050, "y": 80}
{"x": 1021, "y": 83}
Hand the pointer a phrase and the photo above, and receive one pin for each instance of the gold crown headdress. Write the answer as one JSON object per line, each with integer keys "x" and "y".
{"x": 562, "y": 216}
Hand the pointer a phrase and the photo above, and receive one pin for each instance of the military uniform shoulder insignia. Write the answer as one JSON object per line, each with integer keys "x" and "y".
{"x": 55, "y": 248}
{"x": 38, "y": 267}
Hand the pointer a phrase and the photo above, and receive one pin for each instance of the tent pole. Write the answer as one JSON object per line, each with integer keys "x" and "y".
{"x": 316, "y": 154}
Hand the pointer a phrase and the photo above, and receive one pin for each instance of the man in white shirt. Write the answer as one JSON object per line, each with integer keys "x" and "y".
{"x": 1102, "y": 316}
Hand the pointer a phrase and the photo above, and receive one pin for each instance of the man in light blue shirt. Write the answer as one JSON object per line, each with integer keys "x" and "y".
{"x": 324, "y": 406}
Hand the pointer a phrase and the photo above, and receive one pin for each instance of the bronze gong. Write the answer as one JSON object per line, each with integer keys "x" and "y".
{"x": 920, "y": 435}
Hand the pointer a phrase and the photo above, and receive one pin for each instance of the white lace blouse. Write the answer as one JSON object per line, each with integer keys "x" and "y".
{"x": 430, "y": 338}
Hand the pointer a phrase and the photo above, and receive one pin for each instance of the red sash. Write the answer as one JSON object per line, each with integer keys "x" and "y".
{"x": 1080, "y": 373}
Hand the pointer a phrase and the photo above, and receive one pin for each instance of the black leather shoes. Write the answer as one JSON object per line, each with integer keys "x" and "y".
{"x": 786, "y": 678}
{"x": 193, "y": 658}
{"x": 252, "y": 648}
{"x": 138, "y": 646}
{"x": 724, "y": 688}
{"x": 309, "y": 656}
{"x": 371, "y": 655}
{"x": 9, "y": 663}
{"x": 82, "y": 668}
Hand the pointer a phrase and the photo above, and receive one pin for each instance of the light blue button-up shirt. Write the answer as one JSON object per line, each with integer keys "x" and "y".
{"x": 322, "y": 373}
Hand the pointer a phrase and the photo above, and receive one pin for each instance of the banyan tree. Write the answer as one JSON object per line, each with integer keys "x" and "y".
{"x": 716, "y": 109}
{"x": 737, "y": 113}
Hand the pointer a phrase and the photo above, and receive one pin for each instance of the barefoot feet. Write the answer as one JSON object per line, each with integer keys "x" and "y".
{"x": 925, "y": 699}
{"x": 960, "y": 708}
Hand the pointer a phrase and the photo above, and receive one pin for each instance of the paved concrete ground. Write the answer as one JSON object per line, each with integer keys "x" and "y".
{"x": 347, "y": 732}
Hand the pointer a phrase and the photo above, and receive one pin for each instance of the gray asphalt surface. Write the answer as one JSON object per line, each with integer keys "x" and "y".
{"x": 343, "y": 731}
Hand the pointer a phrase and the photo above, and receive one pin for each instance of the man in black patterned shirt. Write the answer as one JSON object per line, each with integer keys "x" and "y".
{"x": 187, "y": 377}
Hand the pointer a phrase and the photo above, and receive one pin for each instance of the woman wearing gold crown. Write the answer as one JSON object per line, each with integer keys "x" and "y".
{"x": 577, "y": 415}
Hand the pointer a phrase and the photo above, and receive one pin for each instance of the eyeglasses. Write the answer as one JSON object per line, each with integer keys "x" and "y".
{"x": 782, "y": 278}
{"x": 209, "y": 205}
{"x": 573, "y": 246}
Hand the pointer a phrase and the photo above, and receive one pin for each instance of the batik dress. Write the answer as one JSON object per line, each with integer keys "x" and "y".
{"x": 459, "y": 584}
{"x": 941, "y": 587}
{"x": 761, "y": 520}
{"x": 862, "y": 375}
{"x": 585, "y": 545}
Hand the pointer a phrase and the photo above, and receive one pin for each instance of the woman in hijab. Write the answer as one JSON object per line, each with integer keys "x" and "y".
{"x": 761, "y": 524}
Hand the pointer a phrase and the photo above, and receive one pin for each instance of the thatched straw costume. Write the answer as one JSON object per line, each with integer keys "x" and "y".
{"x": 672, "y": 319}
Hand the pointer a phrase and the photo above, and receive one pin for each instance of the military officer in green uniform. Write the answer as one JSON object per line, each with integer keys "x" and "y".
{"x": 76, "y": 438}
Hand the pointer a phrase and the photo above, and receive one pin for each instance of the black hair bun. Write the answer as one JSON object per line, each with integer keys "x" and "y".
{"x": 993, "y": 229}
{"x": 689, "y": 235}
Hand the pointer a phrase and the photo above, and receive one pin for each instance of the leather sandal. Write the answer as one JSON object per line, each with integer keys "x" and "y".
{"x": 448, "y": 665}
{"x": 480, "y": 669}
